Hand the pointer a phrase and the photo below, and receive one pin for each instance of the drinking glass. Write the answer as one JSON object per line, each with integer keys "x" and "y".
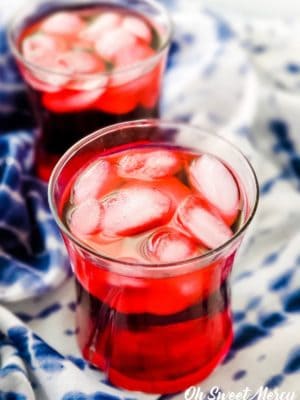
{"x": 68, "y": 106}
{"x": 156, "y": 328}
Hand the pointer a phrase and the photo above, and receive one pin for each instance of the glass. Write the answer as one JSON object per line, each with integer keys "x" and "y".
{"x": 153, "y": 328}
{"x": 68, "y": 106}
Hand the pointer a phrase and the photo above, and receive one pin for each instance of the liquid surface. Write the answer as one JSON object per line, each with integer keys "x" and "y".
{"x": 75, "y": 48}
{"x": 154, "y": 204}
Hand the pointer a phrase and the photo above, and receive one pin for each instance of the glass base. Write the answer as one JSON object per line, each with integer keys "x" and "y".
{"x": 164, "y": 386}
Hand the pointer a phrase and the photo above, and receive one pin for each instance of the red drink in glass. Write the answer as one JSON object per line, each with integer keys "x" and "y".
{"x": 88, "y": 65}
{"x": 152, "y": 227}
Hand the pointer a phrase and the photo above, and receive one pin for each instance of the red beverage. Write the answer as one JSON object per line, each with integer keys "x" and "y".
{"x": 152, "y": 229}
{"x": 88, "y": 65}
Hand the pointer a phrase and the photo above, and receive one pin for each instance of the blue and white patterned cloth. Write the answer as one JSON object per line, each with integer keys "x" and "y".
{"x": 211, "y": 82}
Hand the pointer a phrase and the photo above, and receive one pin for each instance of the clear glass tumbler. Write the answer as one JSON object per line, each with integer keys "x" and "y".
{"x": 69, "y": 103}
{"x": 151, "y": 327}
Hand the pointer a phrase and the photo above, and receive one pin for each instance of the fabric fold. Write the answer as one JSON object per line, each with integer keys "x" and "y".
{"x": 32, "y": 255}
{"x": 27, "y": 362}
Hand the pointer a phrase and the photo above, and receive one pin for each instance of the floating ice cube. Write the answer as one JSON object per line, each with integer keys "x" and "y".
{"x": 86, "y": 217}
{"x": 94, "y": 182}
{"x": 216, "y": 184}
{"x": 105, "y": 22}
{"x": 134, "y": 209}
{"x": 138, "y": 27}
{"x": 112, "y": 42}
{"x": 63, "y": 23}
{"x": 168, "y": 245}
{"x": 149, "y": 164}
{"x": 202, "y": 224}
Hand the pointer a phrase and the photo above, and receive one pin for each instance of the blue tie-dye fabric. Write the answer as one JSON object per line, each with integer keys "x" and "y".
{"x": 209, "y": 82}
{"x": 32, "y": 256}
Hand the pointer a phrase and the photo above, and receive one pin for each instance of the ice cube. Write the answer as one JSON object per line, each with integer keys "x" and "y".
{"x": 86, "y": 217}
{"x": 63, "y": 23}
{"x": 133, "y": 54}
{"x": 216, "y": 184}
{"x": 138, "y": 27}
{"x": 147, "y": 165}
{"x": 79, "y": 62}
{"x": 206, "y": 227}
{"x": 130, "y": 55}
{"x": 94, "y": 182}
{"x": 112, "y": 42}
{"x": 105, "y": 22}
{"x": 84, "y": 69}
{"x": 134, "y": 209}
{"x": 168, "y": 245}
{"x": 40, "y": 49}
{"x": 71, "y": 100}
{"x": 86, "y": 83}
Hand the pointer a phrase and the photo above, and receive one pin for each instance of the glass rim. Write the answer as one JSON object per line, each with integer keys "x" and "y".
{"x": 155, "y": 267}
{"x": 118, "y": 71}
